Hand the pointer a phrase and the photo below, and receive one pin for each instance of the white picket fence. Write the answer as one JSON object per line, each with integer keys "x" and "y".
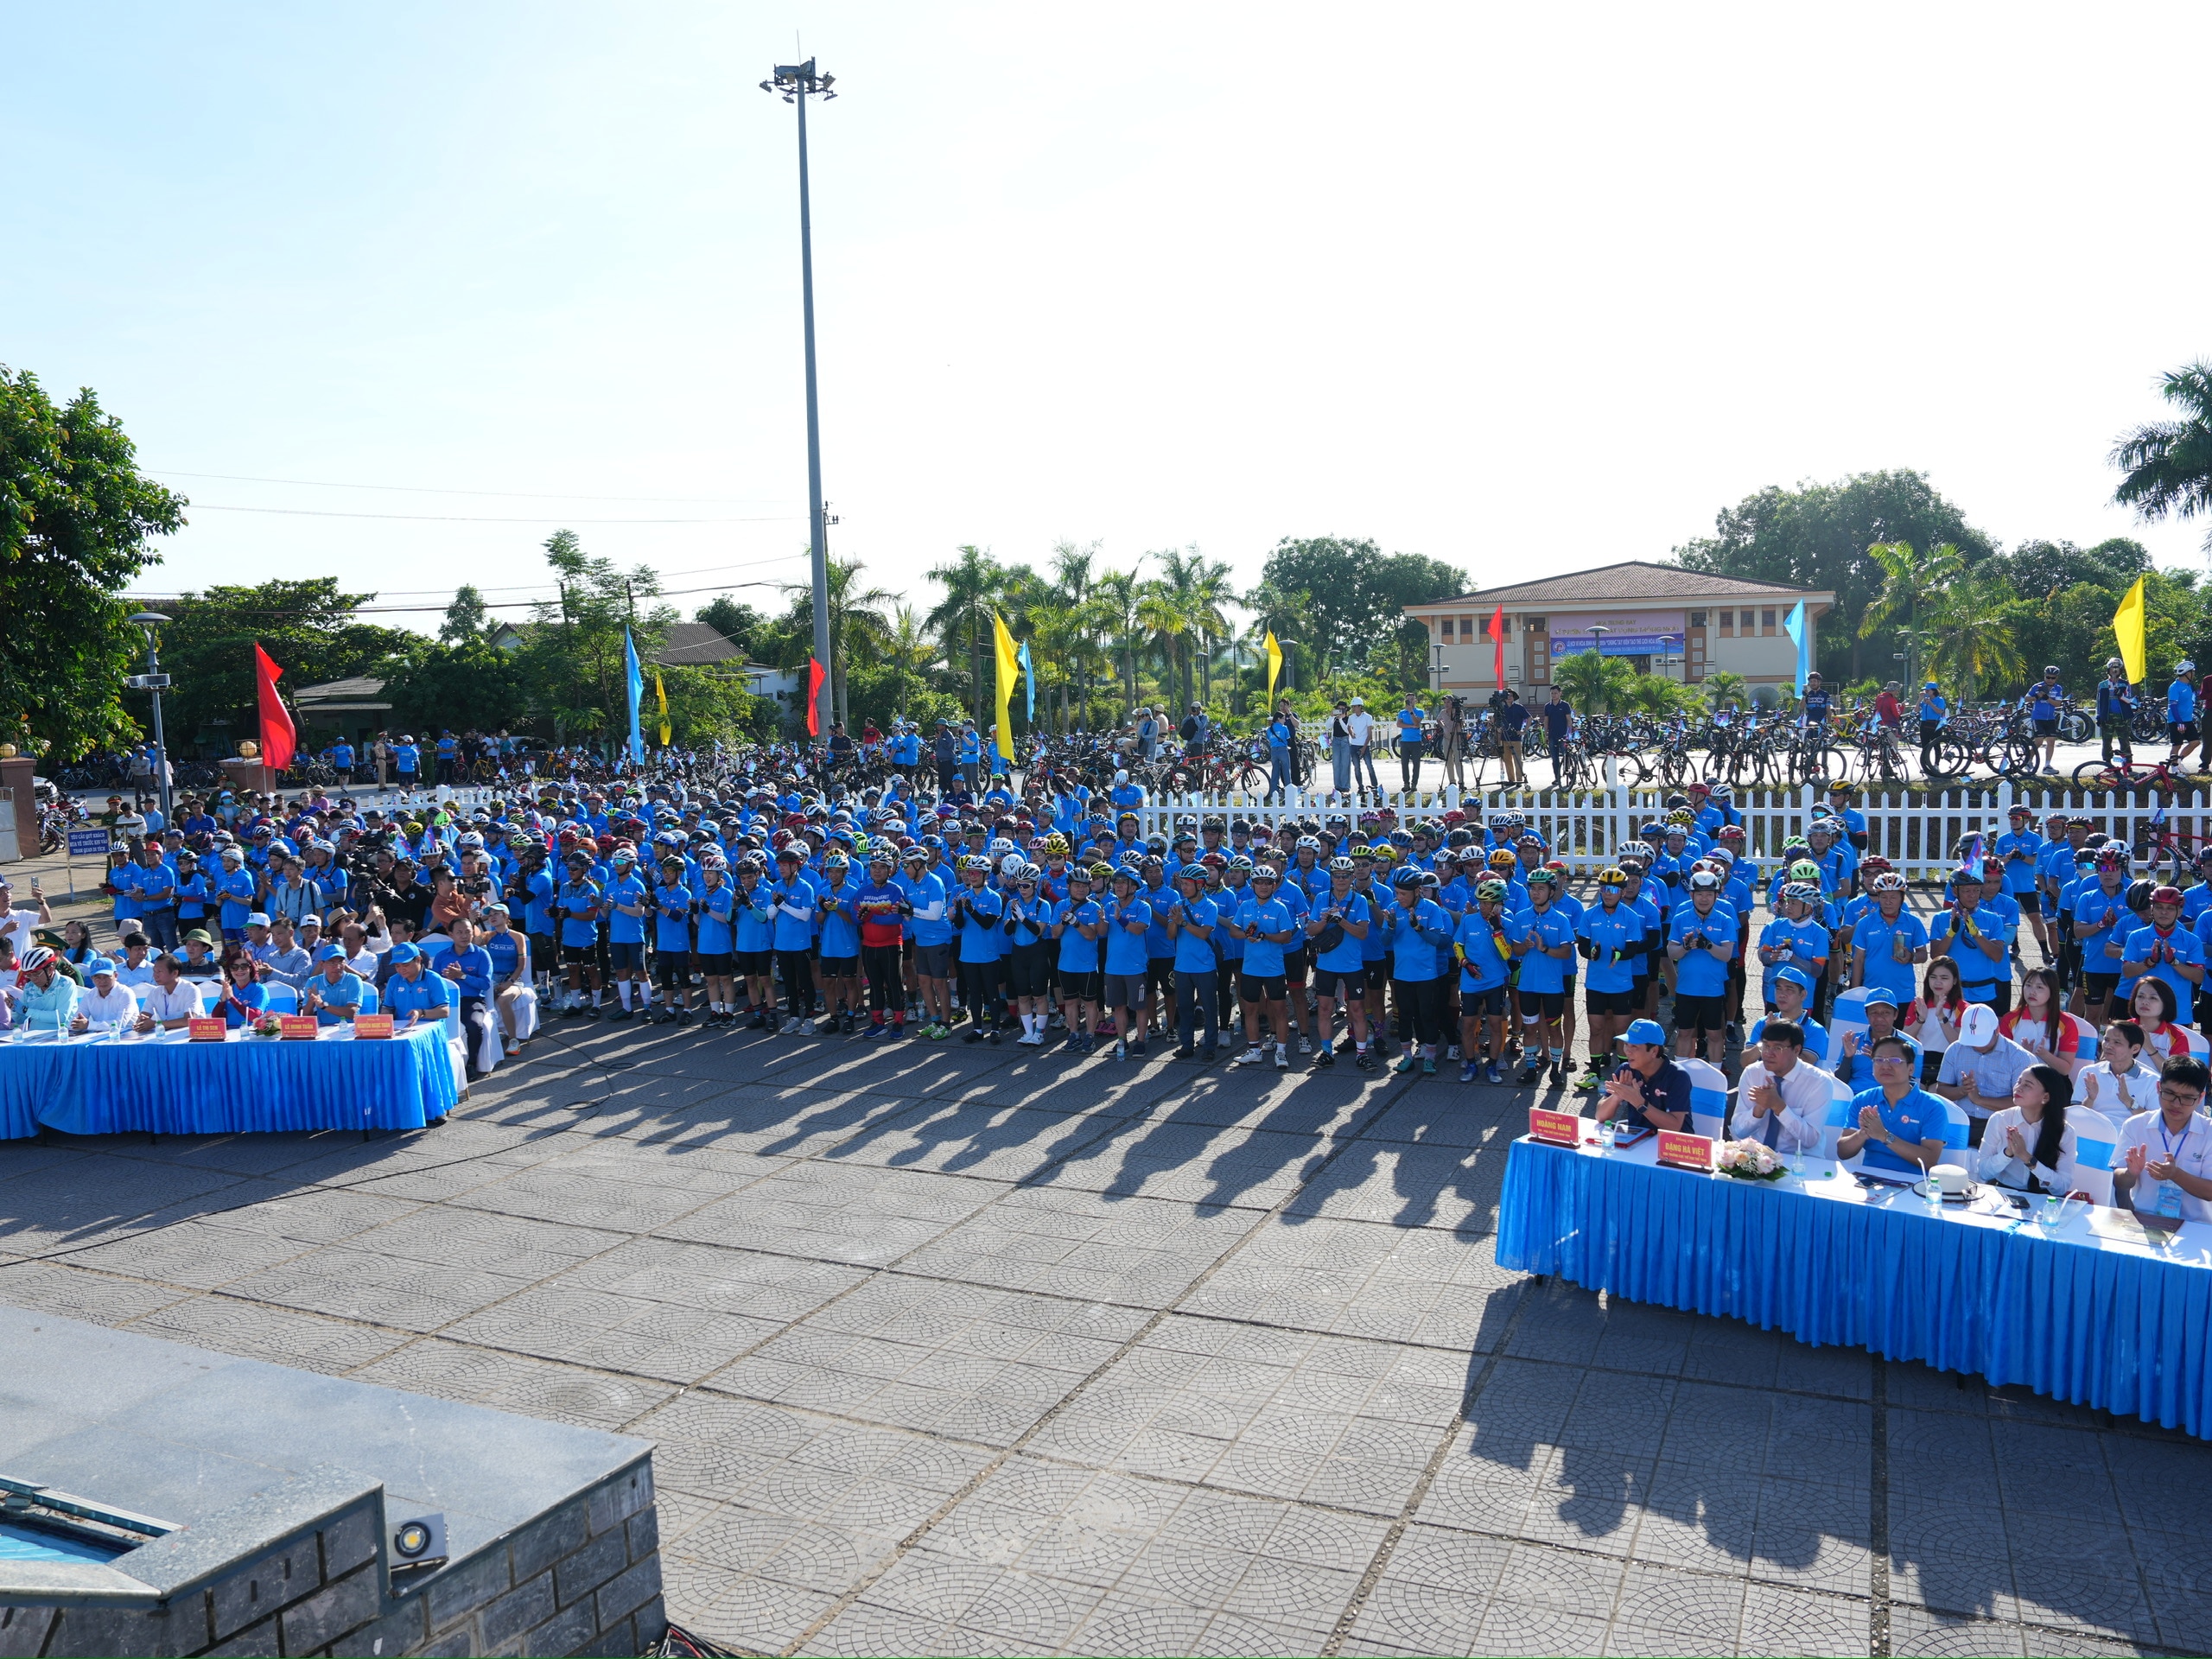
{"x": 1919, "y": 831}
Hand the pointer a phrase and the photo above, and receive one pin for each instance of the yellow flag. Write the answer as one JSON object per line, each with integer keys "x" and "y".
{"x": 2127, "y": 628}
{"x": 1275, "y": 666}
{"x": 1009, "y": 657}
{"x": 661, "y": 692}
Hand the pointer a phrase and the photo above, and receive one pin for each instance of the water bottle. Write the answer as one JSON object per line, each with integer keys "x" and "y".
{"x": 1934, "y": 1189}
{"x": 2053, "y": 1203}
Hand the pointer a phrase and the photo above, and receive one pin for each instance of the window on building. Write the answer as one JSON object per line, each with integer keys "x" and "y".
{"x": 1447, "y": 630}
{"x": 1766, "y": 621}
{"x": 1728, "y": 623}
{"x": 1697, "y": 618}
{"x": 1466, "y": 627}
{"x": 1534, "y": 624}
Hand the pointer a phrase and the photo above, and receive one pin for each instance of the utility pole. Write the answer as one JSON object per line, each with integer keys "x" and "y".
{"x": 797, "y": 83}
{"x": 154, "y": 680}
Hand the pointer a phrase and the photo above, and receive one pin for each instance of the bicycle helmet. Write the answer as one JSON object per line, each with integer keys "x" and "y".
{"x": 1501, "y": 858}
{"x": 1731, "y": 832}
{"x": 1808, "y": 891}
{"x": 1542, "y": 876}
{"x": 2111, "y": 857}
{"x": 1056, "y": 842}
{"x": 1805, "y": 870}
{"x": 975, "y": 862}
{"x": 1240, "y": 863}
{"x": 2165, "y": 895}
{"x": 1889, "y": 881}
{"x": 915, "y": 856}
{"x": 36, "y": 958}
{"x": 1429, "y": 880}
{"x": 2184, "y": 666}
{"x": 1612, "y": 876}
{"x": 1341, "y": 866}
{"x": 1407, "y": 877}
{"x": 1704, "y": 881}
{"x": 1102, "y": 871}
{"x": 835, "y": 862}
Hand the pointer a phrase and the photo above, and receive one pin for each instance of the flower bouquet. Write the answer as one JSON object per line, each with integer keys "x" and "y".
{"x": 267, "y": 1025}
{"x": 1748, "y": 1161}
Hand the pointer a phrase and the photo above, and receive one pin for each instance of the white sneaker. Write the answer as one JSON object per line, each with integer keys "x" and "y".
{"x": 1249, "y": 1056}
{"x": 1305, "y": 1044}
{"x": 1283, "y": 1058}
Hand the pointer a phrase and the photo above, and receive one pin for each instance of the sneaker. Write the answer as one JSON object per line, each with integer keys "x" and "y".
{"x": 683, "y": 1016}
{"x": 1326, "y": 1056}
{"x": 1405, "y": 1062}
{"x": 1467, "y": 1071}
{"x": 1364, "y": 1060}
{"x": 994, "y": 1035}
{"x": 1428, "y": 1068}
{"x": 1592, "y": 1080}
{"x": 1136, "y": 1049}
{"x": 1208, "y": 1055}
{"x": 1492, "y": 1074}
{"x": 1250, "y": 1057}
{"x": 1305, "y": 1044}
{"x": 971, "y": 1035}
{"x": 513, "y": 1048}
{"x": 1282, "y": 1057}
{"x": 758, "y": 1020}
{"x": 806, "y": 1027}
{"x": 1187, "y": 1051}
{"x": 1530, "y": 1075}
{"x": 1106, "y": 1029}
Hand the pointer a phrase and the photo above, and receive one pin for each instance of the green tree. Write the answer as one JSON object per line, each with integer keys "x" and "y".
{"x": 736, "y": 622}
{"x": 974, "y": 583}
{"x": 468, "y": 683}
{"x": 2169, "y": 463}
{"x": 1969, "y": 631}
{"x": 76, "y": 516}
{"x": 572, "y": 657}
{"x": 1355, "y": 596}
{"x": 857, "y": 625}
{"x": 1911, "y": 584}
{"x": 467, "y": 618}
{"x": 1723, "y": 688}
{"x": 1820, "y": 536}
{"x": 308, "y": 626}
{"x": 1594, "y": 683}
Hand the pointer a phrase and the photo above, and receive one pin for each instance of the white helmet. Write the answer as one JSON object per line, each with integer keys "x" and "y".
{"x": 1120, "y": 777}
{"x": 2184, "y": 666}
{"x": 1012, "y": 864}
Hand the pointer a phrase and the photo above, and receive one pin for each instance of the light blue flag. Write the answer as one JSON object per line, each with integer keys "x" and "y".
{"x": 1794, "y": 626}
{"x": 1028, "y": 680}
{"x": 635, "y": 677}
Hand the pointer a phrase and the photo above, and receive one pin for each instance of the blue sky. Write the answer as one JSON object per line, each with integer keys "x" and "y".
{"x": 1523, "y": 291}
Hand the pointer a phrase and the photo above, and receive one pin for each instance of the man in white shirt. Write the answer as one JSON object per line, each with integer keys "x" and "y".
{"x": 2164, "y": 1173}
{"x": 20, "y": 926}
{"x": 1980, "y": 1070}
{"x": 170, "y": 1003}
{"x": 1361, "y": 724}
{"x": 2119, "y": 1085}
{"x": 136, "y": 968}
{"x": 1781, "y": 1099}
{"x": 105, "y": 1002}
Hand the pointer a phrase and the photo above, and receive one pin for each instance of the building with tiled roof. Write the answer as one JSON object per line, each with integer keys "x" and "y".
{"x": 1685, "y": 624}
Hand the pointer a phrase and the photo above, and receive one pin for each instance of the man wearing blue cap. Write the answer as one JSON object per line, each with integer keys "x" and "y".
{"x": 333, "y": 994}
{"x": 103, "y": 1001}
{"x": 411, "y": 996}
{"x": 1854, "y": 1055}
{"x": 1647, "y": 1091}
{"x": 1786, "y": 997}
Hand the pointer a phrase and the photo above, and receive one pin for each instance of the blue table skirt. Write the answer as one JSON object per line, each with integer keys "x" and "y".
{"x": 172, "y": 1088}
{"x": 2112, "y": 1328}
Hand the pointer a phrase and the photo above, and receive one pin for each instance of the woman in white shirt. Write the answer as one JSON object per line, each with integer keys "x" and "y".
{"x": 2029, "y": 1146}
{"x": 2120, "y": 1085}
{"x": 1933, "y": 1021}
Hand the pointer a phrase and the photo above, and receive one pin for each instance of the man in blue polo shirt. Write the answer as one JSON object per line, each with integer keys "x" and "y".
{"x": 1900, "y": 1125}
{"x": 2181, "y": 712}
{"x": 1647, "y": 1091}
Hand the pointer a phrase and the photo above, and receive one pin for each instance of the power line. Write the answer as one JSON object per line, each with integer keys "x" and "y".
{"x": 422, "y": 489}
{"x": 471, "y": 518}
{"x": 526, "y": 587}
{"x": 497, "y": 605}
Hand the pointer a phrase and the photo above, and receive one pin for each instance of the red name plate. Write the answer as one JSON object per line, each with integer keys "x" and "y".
{"x": 1560, "y": 1129}
{"x": 298, "y": 1027}
{"x": 373, "y": 1025}
{"x": 1685, "y": 1151}
{"x": 207, "y": 1031}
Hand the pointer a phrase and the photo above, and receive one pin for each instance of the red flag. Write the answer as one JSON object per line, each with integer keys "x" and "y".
{"x": 277, "y": 736}
{"x": 1495, "y": 629}
{"x": 815, "y": 675}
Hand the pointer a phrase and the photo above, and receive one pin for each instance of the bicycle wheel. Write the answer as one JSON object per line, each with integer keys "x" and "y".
{"x": 2076, "y": 726}
{"x": 2101, "y": 775}
{"x": 1952, "y": 760}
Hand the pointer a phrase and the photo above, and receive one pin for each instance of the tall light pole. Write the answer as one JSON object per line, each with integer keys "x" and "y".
{"x": 154, "y": 680}
{"x": 797, "y": 83}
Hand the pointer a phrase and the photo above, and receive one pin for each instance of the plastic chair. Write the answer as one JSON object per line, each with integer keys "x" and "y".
{"x": 2096, "y": 1149}
{"x": 1957, "y": 1127}
{"x": 1708, "y": 1098}
{"x": 283, "y": 999}
{"x": 371, "y": 1002}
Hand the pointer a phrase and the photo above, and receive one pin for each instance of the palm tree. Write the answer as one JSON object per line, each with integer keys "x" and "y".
{"x": 1209, "y": 594}
{"x": 1287, "y": 614}
{"x": 856, "y": 623}
{"x": 1909, "y": 584}
{"x": 1595, "y": 684}
{"x": 1723, "y": 689}
{"x": 1114, "y": 604}
{"x": 1658, "y": 696}
{"x": 909, "y": 650}
{"x": 1071, "y": 567}
{"x": 2169, "y": 463}
{"x": 973, "y": 584}
{"x": 1163, "y": 617}
{"x": 1970, "y": 634}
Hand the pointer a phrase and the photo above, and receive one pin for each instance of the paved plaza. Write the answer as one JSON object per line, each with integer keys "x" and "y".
{"x": 971, "y": 1349}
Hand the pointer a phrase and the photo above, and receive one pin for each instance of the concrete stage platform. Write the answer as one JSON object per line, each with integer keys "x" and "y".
{"x": 161, "y": 1499}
